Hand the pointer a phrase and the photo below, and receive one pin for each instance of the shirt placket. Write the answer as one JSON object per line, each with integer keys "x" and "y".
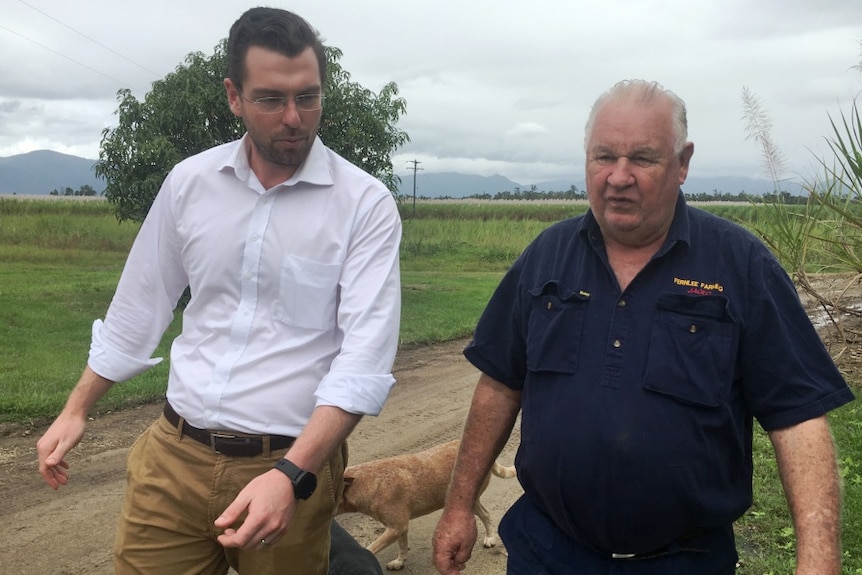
{"x": 243, "y": 318}
{"x": 616, "y": 347}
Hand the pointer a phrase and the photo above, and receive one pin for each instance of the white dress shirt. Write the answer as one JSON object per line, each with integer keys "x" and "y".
{"x": 296, "y": 292}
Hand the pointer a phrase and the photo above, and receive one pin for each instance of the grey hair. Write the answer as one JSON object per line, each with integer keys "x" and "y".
{"x": 644, "y": 92}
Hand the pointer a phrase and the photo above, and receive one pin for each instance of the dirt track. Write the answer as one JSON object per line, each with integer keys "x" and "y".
{"x": 70, "y": 531}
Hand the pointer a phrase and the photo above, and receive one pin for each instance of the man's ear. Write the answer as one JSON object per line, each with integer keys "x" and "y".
{"x": 234, "y": 99}
{"x": 684, "y": 161}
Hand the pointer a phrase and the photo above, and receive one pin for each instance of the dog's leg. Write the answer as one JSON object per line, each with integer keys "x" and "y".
{"x": 387, "y": 538}
{"x": 490, "y": 531}
{"x": 398, "y": 562}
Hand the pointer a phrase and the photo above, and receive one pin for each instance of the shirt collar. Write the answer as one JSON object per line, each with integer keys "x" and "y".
{"x": 314, "y": 170}
{"x": 680, "y": 229}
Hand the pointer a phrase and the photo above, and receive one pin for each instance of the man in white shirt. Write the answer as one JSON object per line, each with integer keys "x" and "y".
{"x": 291, "y": 256}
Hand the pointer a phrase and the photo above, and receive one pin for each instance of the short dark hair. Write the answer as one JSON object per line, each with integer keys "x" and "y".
{"x": 274, "y": 29}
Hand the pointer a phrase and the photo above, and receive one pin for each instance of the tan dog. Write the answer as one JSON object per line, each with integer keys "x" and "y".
{"x": 397, "y": 489}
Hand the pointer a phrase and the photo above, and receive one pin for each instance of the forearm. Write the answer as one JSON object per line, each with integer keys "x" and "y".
{"x": 492, "y": 416}
{"x": 87, "y": 392}
{"x": 808, "y": 469}
{"x": 327, "y": 429}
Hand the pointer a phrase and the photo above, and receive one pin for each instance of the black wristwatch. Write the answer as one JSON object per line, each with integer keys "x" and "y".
{"x": 304, "y": 482}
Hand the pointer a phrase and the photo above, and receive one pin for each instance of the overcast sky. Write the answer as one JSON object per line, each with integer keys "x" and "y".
{"x": 492, "y": 86}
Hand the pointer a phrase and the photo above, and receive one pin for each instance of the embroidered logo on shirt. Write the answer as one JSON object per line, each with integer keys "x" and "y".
{"x": 697, "y": 287}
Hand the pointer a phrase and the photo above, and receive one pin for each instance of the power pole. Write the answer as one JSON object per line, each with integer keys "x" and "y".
{"x": 415, "y": 169}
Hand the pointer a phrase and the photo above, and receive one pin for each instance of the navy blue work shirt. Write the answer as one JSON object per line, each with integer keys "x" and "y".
{"x": 637, "y": 406}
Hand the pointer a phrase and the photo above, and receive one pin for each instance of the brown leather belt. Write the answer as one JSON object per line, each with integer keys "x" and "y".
{"x": 227, "y": 443}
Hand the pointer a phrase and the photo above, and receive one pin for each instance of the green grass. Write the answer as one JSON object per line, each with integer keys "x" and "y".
{"x": 60, "y": 262}
{"x": 47, "y": 306}
{"x": 765, "y": 533}
{"x": 59, "y": 265}
{"x": 440, "y": 308}
{"x": 847, "y": 428}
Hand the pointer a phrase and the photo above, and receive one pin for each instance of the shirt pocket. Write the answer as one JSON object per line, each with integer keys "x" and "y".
{"x": 691, "y": 350}
{"x": 555, "y": 327}
{"x": 307, "y": 293}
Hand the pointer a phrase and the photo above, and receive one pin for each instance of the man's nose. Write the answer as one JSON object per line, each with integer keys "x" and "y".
{"x": 290, "y": 114}
{"x": 621, "y": 174}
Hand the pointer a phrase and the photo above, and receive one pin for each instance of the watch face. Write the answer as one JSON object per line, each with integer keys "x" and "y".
{"x": 304, "y": 482}
{"x": 305, "y": 485}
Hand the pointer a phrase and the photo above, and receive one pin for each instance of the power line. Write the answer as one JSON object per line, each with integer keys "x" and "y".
{"x": 94, "y": 41}
{"x": 61, "y": 54}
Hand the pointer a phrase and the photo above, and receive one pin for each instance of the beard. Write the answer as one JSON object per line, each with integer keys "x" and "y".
{"x": 281, "y": 152}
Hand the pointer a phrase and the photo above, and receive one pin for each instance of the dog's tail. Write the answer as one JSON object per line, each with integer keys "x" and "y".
{"x": 503, "y": 471}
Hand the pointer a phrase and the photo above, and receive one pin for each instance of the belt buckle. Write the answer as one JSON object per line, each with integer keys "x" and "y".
{"x": 214, "y": 437}
{"x": 623, "y": 555}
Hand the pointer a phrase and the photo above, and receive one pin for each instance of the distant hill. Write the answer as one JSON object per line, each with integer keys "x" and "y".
{"x": 457, "y": 185}
{"x": 454, "y": 185}
{"x": 42, "y": 171}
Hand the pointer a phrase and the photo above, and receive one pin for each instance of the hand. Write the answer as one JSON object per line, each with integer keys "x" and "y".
{"x": 270, "y": 503}
{"x": 62, "y": 436}
{"x": 453, "y": 540}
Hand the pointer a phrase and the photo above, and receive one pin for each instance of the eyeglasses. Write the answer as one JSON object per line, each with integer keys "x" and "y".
{"x": 277, "y": 104}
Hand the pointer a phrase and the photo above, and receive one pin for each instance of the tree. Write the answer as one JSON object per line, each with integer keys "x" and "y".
{"x": 187, "y": 112}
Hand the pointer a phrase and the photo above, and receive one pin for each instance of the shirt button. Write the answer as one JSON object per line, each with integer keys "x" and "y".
{"x": 621, "y": 303}
{"x": 692, "y": 328}
{"x": 617, "y": 343}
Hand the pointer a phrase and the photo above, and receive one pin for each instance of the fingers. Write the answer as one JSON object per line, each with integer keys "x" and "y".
{"x": 55, "y": 475}
{"x": 449, "y": 556}
{"x": 258, "y": 540}
{"x": 268, "y": 505}
{"x": 453, "y": 541}
{"x": 233, "y": 512}
{"x": 246, "y": 537}
{"x": 449, "y": 563}
{"x": 61, "y": 437}
{"x": 52, "y": 467}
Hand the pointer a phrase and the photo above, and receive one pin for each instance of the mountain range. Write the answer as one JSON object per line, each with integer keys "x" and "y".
{"x": 41, "y": 171}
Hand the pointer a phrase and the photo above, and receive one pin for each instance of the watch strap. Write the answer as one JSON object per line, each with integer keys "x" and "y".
{"x": 304, "y": 482}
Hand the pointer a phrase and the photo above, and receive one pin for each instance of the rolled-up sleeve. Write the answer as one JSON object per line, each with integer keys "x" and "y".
{"x": 142, "y": 307}
{"x": 369, "y": 314}
{"x": 112, "y": 363}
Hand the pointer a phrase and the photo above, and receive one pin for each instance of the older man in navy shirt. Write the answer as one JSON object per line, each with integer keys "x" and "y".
{"x": 639, "y": 342}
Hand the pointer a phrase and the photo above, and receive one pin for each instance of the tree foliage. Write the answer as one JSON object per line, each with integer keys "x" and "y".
{"x": 85, "y": 190}
{"x": 187, "y": 112}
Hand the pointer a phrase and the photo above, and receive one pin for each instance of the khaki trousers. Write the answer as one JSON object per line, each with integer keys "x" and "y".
{"x": 176, "y": 488}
